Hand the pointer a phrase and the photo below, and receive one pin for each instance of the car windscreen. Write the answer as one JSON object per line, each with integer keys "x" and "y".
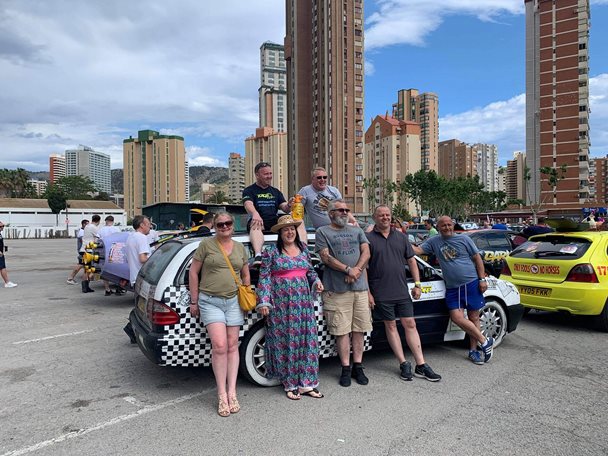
{"x": 553, "y": 247}
{"x": 153, "y": 269}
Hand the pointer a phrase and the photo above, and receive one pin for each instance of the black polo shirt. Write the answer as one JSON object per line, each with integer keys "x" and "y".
{"x": 386, "y": 271}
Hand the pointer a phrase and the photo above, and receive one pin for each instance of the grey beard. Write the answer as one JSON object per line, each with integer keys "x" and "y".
{"x": 340, "y": 221}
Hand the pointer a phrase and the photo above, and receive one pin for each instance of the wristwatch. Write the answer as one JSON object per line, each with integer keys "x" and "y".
{"x": 417, "y": 285}
{"x": 483, "y": 279}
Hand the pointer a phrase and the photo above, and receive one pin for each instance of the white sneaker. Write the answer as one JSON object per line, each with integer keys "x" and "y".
{"x": 71, "y": 281}
{"x": 10, "y": 285}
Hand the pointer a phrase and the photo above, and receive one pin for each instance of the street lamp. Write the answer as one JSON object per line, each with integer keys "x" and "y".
{"x": 67, "y": 220}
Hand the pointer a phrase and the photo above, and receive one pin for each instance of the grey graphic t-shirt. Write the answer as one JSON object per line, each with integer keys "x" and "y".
{"x": 454, "y": 255}
{"x": 311, "y": 199}
{"x": 344, "y": 245}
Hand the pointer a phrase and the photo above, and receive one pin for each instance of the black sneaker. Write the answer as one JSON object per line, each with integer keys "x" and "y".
{"x": 425, "y": 371}
{"x": 257, "y": 260}
{"x": 108, "y": 292}
{"x": 358, "y": 374}
{"x": 406, "y": 371}
{"x": 345, "y": 376}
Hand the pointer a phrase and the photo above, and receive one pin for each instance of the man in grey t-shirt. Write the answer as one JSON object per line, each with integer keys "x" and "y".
{"x": 344, "y": 250}
{"x": 317, "y": 196}
{"x": 465, "y": 283}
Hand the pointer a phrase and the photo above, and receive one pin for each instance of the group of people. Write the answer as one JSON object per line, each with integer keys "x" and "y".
{"x": 364, "y": 273}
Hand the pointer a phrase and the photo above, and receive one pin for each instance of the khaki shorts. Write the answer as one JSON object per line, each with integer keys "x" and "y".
{"x": 347, "y": 312}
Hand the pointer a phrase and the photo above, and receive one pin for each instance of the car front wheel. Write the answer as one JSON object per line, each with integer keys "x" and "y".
{"x": 493, "y": 321}
{"x": 253, "y": 360}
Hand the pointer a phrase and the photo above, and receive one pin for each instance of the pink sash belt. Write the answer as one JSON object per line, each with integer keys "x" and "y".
{"x": 291, "y": 274}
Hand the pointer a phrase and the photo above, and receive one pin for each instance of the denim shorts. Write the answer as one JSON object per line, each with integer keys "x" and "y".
{"x": 215, "y": 309}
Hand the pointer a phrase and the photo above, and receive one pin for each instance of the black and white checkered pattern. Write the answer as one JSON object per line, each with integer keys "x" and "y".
{"x": 187, "y": 344}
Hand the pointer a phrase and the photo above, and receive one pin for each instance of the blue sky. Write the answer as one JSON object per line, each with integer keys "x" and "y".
{"x": 108, "y": 69}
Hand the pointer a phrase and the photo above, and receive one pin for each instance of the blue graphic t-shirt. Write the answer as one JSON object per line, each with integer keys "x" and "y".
{"x": 454, "y": 254}
{"x": 266, "y": 201}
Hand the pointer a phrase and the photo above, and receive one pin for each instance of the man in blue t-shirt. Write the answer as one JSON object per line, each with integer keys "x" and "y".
{"x": 465, "y": 283}
{"x": 262, "y": 202}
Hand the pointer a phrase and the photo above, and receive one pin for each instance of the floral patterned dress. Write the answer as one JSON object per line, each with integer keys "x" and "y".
{"x": 291, "y": 351}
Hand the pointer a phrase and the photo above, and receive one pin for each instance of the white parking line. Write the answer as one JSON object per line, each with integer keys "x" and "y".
{"x": 52, "y": 337}
{"x": 98, "y": 427}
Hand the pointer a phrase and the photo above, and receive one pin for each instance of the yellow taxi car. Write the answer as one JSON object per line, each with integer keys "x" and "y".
{"x": 563, "y": 272}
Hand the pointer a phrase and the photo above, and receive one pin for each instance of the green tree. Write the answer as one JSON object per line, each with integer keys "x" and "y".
{"x": 218, "y": 197}
{"x": 370, "y": 185}
{"x": 77, "y": 187}
{"x": 14, "y": 184}
{"x": 56, "y": 199}
{"x": 102, "y": 196}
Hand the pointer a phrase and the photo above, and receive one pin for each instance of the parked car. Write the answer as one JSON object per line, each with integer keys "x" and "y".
{"x": 168, "y": 335}
{"x": 494, "y": 245}
{"x": 565, "y": 272}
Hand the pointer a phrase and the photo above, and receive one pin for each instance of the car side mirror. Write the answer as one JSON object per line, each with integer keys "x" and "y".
{"x": 427, "y": 273}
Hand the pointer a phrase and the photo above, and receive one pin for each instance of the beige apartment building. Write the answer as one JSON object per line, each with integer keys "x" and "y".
{"x": 236, "y": 177}
{"x": 154, "y": 170}
{"x": 515, "y": 187}
{"x": 424, "y": 109}
{"x": 392, "y": 151}
{"x": 557, "y": 98}
{"x": 324, "y": 55}
{"x": 599, "y": 180}
{"x": 273, "y": 87}
{"x": 269, "y": 146}
{"x": 457, "y": 159}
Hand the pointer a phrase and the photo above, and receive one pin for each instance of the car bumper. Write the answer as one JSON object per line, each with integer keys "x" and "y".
{"x": 149, "y": 343}
{"x": 514, "y": 315}
{"x": 575, "y": 298}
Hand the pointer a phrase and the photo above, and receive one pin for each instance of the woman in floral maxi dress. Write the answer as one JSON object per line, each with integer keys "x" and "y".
{"x": 284, "y": 295}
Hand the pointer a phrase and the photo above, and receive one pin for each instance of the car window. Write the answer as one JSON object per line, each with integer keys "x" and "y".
{"x": 480, "y": 242}
{"x": 152, "y": 271}
{"x": 498, "y": 241}
{"x": 553, "y": 247}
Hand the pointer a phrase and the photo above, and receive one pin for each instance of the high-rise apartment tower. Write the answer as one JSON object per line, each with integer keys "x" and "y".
{"x": 86, "y": 162}
{"x": 424, "y": 109}
{"x": 154, "y": 170}
{"x": 557, "y": 98}
{"x": 324, "y": 54}
{"x": 273, "y": 87}
{"x": 56, "y": 167}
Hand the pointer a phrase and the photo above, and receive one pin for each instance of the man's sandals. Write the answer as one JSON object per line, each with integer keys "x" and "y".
{"x": 296, "y": 395}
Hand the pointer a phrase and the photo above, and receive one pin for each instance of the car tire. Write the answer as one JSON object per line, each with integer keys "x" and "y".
{"x": 493, "y": 321}
{"x": 253, "y": 362}
{"x": 601, "y": 320}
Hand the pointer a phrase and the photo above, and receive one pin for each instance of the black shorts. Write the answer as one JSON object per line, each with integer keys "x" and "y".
{"x": 2, "y": 262}
{"x": 80, "y": 258}
{"x": 392, "y": 310}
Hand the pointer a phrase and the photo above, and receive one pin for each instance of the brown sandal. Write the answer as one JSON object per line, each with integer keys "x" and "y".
{"x": 235, "y": 407}
{"x": 223, "y": 409}
{"x": 294, "y": 395}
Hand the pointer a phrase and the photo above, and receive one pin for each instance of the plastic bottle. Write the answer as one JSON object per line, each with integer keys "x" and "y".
{"x": 297, "y": 210}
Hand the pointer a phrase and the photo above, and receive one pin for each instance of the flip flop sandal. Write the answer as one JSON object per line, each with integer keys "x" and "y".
{"x": 293, "y": 395}
{"x": 314, "y": 393}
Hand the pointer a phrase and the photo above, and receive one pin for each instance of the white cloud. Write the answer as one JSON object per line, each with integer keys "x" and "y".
{"x": 410, "y": 21}
{"x": 133, "y": 63}
{"x": 504, "y": 122}
{"x": 201, "y": 156}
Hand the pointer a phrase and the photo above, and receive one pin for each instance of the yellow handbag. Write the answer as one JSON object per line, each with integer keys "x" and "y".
{"x": 245, "y": 293}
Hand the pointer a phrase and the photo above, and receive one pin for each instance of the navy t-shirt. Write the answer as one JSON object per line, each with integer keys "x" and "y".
{"x": 266, "y": 201}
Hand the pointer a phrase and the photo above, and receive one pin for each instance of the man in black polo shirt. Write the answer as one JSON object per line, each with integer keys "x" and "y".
{"x": 388, "y": 292}
{"x": 262, "y": 202}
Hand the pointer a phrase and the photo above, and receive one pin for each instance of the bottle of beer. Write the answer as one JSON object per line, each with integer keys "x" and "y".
{"x": 297, "y": 210}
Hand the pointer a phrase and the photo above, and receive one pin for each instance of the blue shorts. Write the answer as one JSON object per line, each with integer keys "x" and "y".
{"x": 466, "y": 296}
{"x": 214, "y": 309}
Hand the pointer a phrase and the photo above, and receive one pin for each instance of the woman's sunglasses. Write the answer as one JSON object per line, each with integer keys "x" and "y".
{"x": 226, "y": 224}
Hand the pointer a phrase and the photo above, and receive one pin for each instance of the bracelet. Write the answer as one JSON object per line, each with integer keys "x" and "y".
{"x": 347, "y": 270}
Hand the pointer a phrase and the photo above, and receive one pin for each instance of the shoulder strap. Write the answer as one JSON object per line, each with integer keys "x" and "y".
{"x": 227, "y": 261}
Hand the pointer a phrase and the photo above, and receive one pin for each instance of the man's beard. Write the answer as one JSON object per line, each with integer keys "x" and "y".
{"x": 340, "y": 221}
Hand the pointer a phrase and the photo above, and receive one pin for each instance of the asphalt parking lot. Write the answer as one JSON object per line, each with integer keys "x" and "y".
{"x": 71, "y": 383}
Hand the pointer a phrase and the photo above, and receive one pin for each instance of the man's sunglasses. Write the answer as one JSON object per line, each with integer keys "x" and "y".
{"x": 342, "y": 211}
{"x": 321, "y": 177}
{"x": 226, "y": 224}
